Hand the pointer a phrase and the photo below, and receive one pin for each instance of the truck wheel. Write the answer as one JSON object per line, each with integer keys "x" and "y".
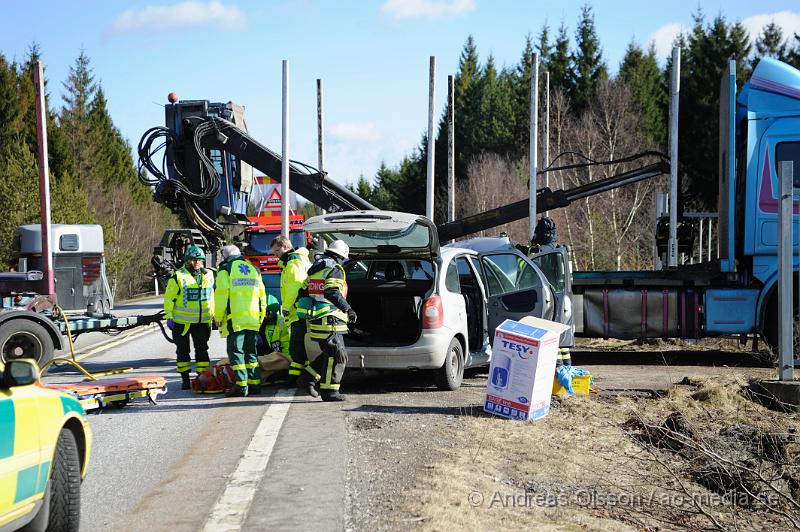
{"x": 450, "y": 375}
{"x": 65, "y": 484}
{"x": 770, "y": 327}
{"x": 23, "y": 338}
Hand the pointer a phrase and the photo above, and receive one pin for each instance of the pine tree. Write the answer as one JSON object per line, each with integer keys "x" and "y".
{"x": 543, "y": 47}
{"x": 640, "y": 71}
{"x": 9, "y": 105}
{"x": 792, "y": 52}
{"x": 769, "y": 44}
{"x": 558, "y": 63}
{"x": 706, "y": 54}
{"x": 80, "y": 90}
{"x": 19, "y": 194}
{"x": 363, "y": 189}
{"x": 587, "y": 66}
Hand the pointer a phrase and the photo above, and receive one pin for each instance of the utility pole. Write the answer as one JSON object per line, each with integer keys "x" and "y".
{"x": 785, "y": 270}
{"x": 320, "y": 134}
{"x": 675, "y": 89}
{"x": 48, "y": 282}
{"x": 285, "y": 153}
{"x": 533, "y": 139}
{"x": 451, "y": 163}
{"x": 431, "y": 98}
{"x": 546, "y": 140}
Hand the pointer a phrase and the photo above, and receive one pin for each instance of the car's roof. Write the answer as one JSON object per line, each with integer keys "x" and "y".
{"x": 451, "y": 250}
{"x": 483, "y": 244}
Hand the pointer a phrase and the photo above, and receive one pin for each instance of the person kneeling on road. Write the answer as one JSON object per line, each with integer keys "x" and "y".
{"x": 189, "y": 309}
{"x": 240, "y": 302}
{"x": 327, "y": 287}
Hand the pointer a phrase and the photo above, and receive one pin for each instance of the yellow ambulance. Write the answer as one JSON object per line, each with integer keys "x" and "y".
{"x": 45, "y": 443}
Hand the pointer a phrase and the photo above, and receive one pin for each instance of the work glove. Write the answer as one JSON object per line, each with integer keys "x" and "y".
{"x": 352, "y": 316}
{"x": 170, "y": 324}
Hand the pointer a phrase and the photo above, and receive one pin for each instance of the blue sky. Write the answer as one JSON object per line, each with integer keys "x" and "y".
{"x": 371, "y": 55}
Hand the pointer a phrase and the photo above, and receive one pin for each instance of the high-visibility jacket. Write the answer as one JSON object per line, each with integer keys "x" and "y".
{"x": 189, "y": 297}
{"x": 326, "y": 275}
{"x": 273, "y": 327}
{"x": 294, "y": 266}
{"x": 240, "y": 299}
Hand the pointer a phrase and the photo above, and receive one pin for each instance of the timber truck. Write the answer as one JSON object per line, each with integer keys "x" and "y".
{"x": 735, "y": 294}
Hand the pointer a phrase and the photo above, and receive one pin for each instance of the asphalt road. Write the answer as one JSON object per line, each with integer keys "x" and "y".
{"x": 281, "y": 461}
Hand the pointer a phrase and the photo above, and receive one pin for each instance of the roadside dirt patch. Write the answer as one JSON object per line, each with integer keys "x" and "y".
{"x": 702, "y": 456}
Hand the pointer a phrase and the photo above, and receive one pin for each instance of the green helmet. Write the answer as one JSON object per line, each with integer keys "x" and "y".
{"x": 194, "y": 252}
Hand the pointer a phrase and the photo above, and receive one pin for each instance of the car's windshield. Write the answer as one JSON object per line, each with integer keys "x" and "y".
{"x": 259, "y": 243}
{"x": 415, "y": 236}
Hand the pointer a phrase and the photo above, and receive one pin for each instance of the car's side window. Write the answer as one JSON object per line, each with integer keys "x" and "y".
{"x": 507, "y": 272}
{"x": 451, "y": 281}
{"x": 554, "y": 268}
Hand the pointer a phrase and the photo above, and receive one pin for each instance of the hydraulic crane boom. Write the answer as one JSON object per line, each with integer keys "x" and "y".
{"x": 546, "y": 200}
{"x": 304, "y": 180}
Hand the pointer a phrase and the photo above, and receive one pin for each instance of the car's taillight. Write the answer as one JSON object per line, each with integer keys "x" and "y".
{"x": 432, "y": 315}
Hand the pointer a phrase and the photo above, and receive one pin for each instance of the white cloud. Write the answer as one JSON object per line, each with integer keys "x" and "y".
{"x": 664, "y": 37}
{"x": 788, "y": 21}
{"x": 190, "y": 14}
{"x": 355, "y": 132}
{"x": 427, "y": 8}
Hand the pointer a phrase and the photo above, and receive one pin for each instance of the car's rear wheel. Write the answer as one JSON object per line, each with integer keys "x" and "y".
{"x": 450, "y": 375}
{"x": 24, "y": 338}
{"x": 65, "y": 484}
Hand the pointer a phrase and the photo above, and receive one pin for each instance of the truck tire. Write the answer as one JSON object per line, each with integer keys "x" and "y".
{"x": 770, "y": 325}
{"x": 65, "y": 485}
{"x": 450, "y": 375}
{"x": 24, "y": 338}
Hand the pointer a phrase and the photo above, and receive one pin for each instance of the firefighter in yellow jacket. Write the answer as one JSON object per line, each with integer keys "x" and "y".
{"x": 240, "y": 307}
{"x": 326, "y": 285}
{"x": 189, "y": 311}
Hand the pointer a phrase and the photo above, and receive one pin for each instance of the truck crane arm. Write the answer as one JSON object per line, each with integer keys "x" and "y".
{"x": 546, "y": 200}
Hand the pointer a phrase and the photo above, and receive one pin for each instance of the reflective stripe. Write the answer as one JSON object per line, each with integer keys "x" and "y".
{"x": 328, "y": 386}
{"x": 313, "y": 373}
{"x": 294, "y": 371}
{"x": 251, "y": 365}
{"x": 329, "y": 372}
{"x": 254, "y": 381}
{"x": 241, "y": 384}
{"x": 238, "y": 367}
{"x": 244, "y": 282}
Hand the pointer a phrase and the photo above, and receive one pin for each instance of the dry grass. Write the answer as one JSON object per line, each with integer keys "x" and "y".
{"x": 582, "y": 467}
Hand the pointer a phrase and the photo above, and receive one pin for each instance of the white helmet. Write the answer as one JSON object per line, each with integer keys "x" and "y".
{"x": 230, "y": 251}
{"x": 340, "y": 249}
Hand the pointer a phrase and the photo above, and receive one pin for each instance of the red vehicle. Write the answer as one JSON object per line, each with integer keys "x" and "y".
{"x": 259, "y": 238}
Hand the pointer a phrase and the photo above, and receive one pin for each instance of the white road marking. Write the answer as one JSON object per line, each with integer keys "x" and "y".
{"x": 230, "y": 511}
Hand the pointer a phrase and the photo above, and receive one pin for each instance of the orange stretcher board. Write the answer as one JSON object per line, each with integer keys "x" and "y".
{"x": 100, "y": 394}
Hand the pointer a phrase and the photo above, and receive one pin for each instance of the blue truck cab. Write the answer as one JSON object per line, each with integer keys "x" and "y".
{"x": 768, "y": 131}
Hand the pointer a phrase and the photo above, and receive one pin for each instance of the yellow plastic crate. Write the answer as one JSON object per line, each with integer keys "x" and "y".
{"x": 579, "y": 384}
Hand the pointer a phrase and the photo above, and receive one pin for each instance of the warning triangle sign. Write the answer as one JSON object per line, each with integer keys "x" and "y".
{"x": 274, "y": 198}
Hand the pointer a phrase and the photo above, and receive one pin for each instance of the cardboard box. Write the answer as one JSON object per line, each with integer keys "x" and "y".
{"x": 523, "y": 363}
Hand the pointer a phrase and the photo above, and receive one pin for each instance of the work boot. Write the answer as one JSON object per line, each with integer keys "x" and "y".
{"x": 333, "y": 396}
{"x": 237, "y": 391}
{"x": 308, "y": 386}
{"x": 185, "y": 383}
{"x": 254, "y": 390}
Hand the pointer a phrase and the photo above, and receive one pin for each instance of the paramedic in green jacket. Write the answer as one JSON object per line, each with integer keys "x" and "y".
{"x": 294, "y": 266}
{"x": 240, "y": 302}
{"x": 189, "y": 309}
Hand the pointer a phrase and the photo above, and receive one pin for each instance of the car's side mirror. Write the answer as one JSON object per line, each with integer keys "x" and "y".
{"x": 20, "y": 372}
